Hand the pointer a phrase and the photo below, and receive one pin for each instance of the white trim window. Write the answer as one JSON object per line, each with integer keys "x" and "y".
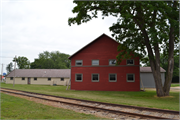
{"x": 11, "y": 78}
{"x": 79, "y": 63}
{"x": 95, "y": 77}
{"x": 112, "y": 62}
{"x": 49, "y": 79}
{"x": 78, "y": 77}
{"x": 130, "y": 62}
{"x": 23, "y": 78}
{"x": 130, "y": 77}
{"x": 35, "y": 78}
{"x": 112, "y": 77}
{"x": 95, "y": 62}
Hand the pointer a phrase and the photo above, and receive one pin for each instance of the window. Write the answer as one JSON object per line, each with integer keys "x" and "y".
{"x": 112, "y": 62}
{"x": 62, "y": 79}
{"x": 35, "y": 78}
{"x": 23, "y": 78}
{"x": 49, "y": 79}
{"x": 95, "y": 62}
{"x": 130, "y": 62}
{"x": 130, "y": 78}
{"x": 95, "y": 77}
{"x": 112, "y": 77}
{"x": 11, "y": 78}
{"x": 79, "y": 62}
{"x": 79, "y": 77}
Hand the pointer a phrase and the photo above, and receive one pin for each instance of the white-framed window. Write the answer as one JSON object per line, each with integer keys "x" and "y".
{"x": 79, "y": 63}
{"x": 130, "y": 62}
{"x": 79, "y": 77}
{"x": 95, "y": 62}
{"x": 112, "y": 62}
{"x": 112, "y": 77}
{"x": 35, "y": 78}
{"x": 11, "y": 78}
{"x": 95, "y": 77}
{"x": 62, "y": 79}
{"x": 130, "y": 77}
{"x": 23, "y": 78}
{"x": 49, "y": 79}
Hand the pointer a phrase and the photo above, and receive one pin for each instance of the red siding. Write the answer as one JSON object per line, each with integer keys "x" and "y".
{"x": 103, "y": 49}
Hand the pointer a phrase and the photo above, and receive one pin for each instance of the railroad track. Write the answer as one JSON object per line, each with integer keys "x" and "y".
{"x": 105, "y": 109}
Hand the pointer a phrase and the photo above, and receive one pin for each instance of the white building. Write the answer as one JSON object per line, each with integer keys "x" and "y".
{"x": 39, "y": 76}
{"x": 147, "y": 78}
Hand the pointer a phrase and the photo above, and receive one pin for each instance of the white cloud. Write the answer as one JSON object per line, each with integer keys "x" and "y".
{"x": 30, "y": 27}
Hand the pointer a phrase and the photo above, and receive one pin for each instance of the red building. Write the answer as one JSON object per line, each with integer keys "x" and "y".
{"x": 93, "y": 68}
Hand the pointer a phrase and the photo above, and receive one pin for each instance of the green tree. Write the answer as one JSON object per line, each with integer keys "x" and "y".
{"x": 176, "y": 66}
{"x": 36, "y": 64}
{"x": 51, "y": 60}
{"x": 22, "y": 62}
{"x": 145, "y": 27}
{"x": 164, "y": 63}
{"x": 9, "y": 67}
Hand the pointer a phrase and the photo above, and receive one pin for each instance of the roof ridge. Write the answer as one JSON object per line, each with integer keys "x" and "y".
{"x": 40, "y": 73}
{"x": 91, "y": 43}
{"x": 148, "y": 69}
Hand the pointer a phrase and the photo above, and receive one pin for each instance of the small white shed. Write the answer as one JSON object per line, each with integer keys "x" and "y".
{"x": 147, "y": 78}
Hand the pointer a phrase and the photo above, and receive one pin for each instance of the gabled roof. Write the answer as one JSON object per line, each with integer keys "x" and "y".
{"x": 148, "y": 69}
{"x": 54, "y": 73}
{"x": 91, "y": 43}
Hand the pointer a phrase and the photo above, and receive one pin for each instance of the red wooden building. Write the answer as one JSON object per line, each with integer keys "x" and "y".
{"x": 93, "y": 68}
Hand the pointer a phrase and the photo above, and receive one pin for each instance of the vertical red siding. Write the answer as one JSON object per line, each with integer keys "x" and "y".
{"x": 103, "y": 49}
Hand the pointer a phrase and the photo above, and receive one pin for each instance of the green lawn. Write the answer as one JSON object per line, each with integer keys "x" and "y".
{"x": 175, "y": 84}
{"x": 143, "y": 99}
{"x": 18, "y": 108}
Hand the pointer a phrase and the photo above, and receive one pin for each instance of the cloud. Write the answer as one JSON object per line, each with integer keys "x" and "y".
{"x": 30, "y": 27}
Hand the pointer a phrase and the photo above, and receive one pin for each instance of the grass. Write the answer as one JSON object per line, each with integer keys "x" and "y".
{"x": 143, "y": 99}
{"x": 18, "y": 108}
{"x": 175, "y": 85}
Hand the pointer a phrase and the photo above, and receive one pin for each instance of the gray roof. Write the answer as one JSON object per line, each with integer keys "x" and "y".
{"x": 54, "y": 73}
{"x": 148, "y": 69}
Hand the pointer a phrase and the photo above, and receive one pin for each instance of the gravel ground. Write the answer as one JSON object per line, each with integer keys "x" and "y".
{"x": 95, "y": 112}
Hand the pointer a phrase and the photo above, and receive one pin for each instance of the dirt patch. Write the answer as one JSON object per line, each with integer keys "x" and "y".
{"x": 171, "y": 89}
{"x": 164, "y": 96}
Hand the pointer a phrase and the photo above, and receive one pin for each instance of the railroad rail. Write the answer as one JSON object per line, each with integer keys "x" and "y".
{"x": 119, "y": 111}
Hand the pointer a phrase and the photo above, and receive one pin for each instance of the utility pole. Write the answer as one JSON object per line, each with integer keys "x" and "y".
{"x": 1, "y": 72}
{"x": 14, "y": 72}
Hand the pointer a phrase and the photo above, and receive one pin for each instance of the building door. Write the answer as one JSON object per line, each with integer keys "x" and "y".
{"x": 29, "y": 80}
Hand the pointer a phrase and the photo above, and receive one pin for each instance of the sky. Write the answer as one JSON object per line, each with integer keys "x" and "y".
{"x": 30, "y": 27}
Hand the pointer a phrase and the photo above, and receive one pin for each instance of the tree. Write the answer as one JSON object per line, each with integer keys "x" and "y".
{"x": 36, "y": 64}
{"x": 164, "y": 64}
{"x": 51, "y": 60}
{"x": 176, "y": 66}
{"x": 22, "y": 62}
{"x": 145, "y": 27}
{"x": 9, "y": 67}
